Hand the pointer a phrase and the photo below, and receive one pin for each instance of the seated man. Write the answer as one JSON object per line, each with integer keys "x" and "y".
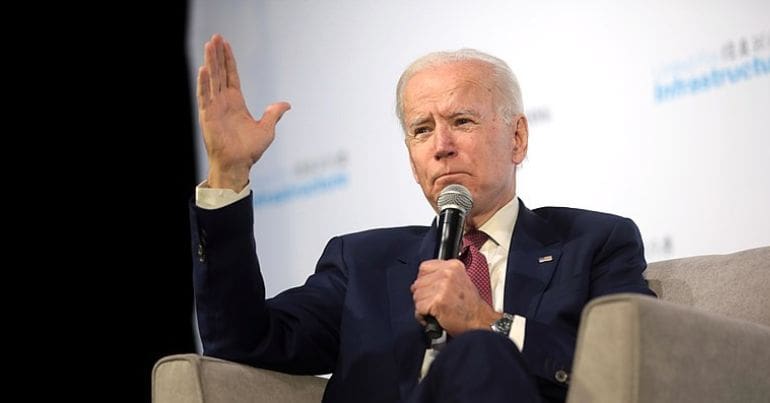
{"x": 360, "y": 316}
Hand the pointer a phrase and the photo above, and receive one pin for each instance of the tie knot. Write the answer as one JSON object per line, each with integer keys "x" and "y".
{"x": 474, "y": 237}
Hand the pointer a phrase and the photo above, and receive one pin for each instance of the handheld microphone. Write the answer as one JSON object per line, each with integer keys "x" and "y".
{"x": 454, "y": 203}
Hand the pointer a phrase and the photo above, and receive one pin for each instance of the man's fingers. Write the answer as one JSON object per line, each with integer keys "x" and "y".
{"x": 428, "y": 267}
{"x": 233, "y": 81}
{"x": 210, "y": 62}
{"x": 219, "y": 45}
{"x": 429, "y": 288}
{"x": 420, "y": 319}
{"x": 422, "y": 308}
{"x": 425, "y": 307}
{"x": 274, "y": 112}
{"x": 204, "y": 91}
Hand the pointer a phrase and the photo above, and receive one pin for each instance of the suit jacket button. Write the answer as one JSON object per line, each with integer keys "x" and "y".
{"x": 201, "y": 255}
{"x": 561, "y": 376}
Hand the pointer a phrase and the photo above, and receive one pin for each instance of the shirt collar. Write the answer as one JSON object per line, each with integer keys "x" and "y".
{"x": 500, "y": 226}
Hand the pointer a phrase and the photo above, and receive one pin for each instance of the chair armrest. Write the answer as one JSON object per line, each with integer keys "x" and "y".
{"x": 635, "y": 348}
{"x": 198, "y": 379}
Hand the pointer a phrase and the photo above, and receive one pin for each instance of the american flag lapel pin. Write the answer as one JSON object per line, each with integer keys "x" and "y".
{"x": 544, "y": 259}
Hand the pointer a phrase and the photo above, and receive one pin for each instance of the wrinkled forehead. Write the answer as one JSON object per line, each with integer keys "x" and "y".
{"x": 450, "y": 87}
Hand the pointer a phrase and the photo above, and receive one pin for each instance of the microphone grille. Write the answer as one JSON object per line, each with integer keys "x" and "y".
{"x": 455, "y": 196}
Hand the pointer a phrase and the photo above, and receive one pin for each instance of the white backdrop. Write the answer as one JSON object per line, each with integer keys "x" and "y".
{"x": 656, "y": 111}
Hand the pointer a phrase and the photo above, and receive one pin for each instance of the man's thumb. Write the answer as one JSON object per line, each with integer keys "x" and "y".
{"x": 274, "y": 112}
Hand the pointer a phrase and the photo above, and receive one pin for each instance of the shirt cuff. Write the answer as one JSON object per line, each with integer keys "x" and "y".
{"x": 212, "y": 198}
{"x": 517, "y": 331}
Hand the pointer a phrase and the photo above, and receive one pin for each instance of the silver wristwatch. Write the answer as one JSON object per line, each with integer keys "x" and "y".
{"x": 503, "y": 325}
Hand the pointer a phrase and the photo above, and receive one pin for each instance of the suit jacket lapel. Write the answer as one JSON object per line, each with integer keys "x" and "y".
{"x": 407, "y": 332}
{"x": 532, "y": 259}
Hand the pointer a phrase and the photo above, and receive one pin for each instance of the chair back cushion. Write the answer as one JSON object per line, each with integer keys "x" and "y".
{"x": 736, "y": 285}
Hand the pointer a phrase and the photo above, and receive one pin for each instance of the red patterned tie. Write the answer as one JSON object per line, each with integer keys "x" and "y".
{"x": 476, "y": 264}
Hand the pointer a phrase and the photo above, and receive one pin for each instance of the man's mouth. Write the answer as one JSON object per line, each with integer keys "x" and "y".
{"x": 449, "y": 176}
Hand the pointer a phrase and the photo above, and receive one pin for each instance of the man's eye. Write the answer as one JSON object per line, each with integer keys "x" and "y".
{"x": 420, "y": 131}
{"x": 462, "y": 121}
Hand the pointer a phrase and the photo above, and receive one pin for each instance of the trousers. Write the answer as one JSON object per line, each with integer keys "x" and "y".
{"x": 478, "y": 366}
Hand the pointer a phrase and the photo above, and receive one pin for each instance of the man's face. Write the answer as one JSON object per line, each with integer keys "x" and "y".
{"x": 455, "y": 135}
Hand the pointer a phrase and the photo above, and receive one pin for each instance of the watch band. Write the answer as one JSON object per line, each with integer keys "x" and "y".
{"x": 503, "y": 325}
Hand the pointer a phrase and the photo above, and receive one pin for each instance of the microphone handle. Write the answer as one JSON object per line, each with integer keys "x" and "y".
{"x": 450, "y": 227}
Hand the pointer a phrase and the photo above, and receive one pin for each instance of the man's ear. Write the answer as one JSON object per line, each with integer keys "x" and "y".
{"x": 520, "y": 139}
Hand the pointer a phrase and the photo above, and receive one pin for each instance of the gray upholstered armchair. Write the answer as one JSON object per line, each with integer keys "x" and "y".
{"x": 707, "y": 339}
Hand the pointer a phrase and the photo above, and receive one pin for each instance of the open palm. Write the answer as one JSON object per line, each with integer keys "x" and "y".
{"x": 234, "y": 139}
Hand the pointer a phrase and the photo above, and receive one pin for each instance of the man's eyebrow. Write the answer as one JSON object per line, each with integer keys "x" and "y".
{"x": 471, "y": 112}
{"x": 420, "y": 120}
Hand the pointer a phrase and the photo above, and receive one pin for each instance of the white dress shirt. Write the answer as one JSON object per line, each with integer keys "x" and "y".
{"x": 499, "y": 228}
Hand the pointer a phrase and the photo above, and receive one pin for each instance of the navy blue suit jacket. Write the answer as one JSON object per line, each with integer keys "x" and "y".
{"x": 354, "y": 316}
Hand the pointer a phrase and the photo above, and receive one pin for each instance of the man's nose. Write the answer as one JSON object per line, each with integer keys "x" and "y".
{"x": 445, "y": 145}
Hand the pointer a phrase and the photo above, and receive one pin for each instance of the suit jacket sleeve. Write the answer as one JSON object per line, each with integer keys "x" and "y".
{"x": 612, "y": 261}
{"x": 295, "y": 332}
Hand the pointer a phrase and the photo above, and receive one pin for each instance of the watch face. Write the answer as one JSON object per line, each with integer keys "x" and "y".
{"x": 503, "y": 325}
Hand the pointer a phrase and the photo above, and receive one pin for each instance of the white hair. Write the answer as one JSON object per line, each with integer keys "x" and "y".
{"x": 503, "y": 80}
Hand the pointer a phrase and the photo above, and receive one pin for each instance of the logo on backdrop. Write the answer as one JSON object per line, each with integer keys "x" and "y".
{"x": 734, "y": 61}
{"x": 307, "y": 177}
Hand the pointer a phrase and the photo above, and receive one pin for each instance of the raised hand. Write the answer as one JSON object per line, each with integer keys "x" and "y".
{"x": 234, "y": 139}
